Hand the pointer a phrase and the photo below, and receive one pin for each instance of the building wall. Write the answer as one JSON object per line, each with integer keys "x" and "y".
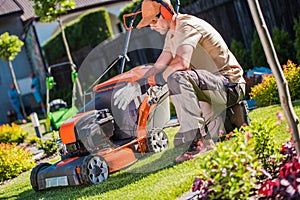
{"x": 20, "y": 64}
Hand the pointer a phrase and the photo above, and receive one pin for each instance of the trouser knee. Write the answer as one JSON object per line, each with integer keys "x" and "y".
{"x": 174, "y": 82}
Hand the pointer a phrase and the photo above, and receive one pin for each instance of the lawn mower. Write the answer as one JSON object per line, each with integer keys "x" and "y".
{"x": 93, "y": 145}
{"x": 60, "y": 94}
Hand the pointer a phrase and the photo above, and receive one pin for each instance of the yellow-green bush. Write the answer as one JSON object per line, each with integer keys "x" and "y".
{"x": 12, "y": 133}
{"x": 14, "y": 160}
{"x": 266, "y": 93}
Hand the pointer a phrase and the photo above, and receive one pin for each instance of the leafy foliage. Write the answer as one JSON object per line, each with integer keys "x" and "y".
{"x": 49, "y": 10}
{"x": 297, "y": 39}
{"x": 266, "y": 93}
{"x": 10, "y": 46}
{"x": 33, "y": 139}
{"x": 12, "y": 134}
{"x": 230, "y": 171}
{"x": 14, "y": 160}
{"x": 286, "y": 185}
{"x": 49, "y": 146}
{"x": 233, "y": 170}
{"x": 88, "y": 31}
{"x": 258, "y": 57}
{"x": 267, "y": 150}
{"x": 283, "y": 45}
{"x": 239, "y": 51}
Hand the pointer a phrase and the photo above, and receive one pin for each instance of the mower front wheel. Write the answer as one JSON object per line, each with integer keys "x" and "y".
{"x": 34, "y": 175}
{"x": 157, "y": 140}
{"x": 94, "y": 169}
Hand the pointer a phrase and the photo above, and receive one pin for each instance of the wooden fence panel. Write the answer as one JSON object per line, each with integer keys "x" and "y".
{"x": 232, "y": 18}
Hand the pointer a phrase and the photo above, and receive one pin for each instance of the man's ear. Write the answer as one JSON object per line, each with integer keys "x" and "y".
{"x": 174, "y": 17}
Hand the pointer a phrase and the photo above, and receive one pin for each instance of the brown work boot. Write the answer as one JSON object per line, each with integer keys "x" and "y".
{"x": 197, "y": 148}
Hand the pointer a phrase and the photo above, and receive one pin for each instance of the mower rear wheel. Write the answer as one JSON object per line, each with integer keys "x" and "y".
{"x": 34, "y": 175}
{"x": 94, "y": 169}
{"x": 157, "y": 141}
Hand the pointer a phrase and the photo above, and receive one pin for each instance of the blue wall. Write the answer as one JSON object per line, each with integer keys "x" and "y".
{"x": 20, "y": 64}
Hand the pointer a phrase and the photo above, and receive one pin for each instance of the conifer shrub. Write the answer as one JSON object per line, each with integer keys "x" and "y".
{"x": 241, "y": 53}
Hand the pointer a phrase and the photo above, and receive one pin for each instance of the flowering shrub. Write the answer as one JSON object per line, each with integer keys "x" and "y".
{"x": 230, "y": 171}
{"x": 266, "y": 93}
{"x": 12, "y": 133}
{"x": 287, "y": 184}
{"x": 235, "y": 169}
{"x": 14, "y": 160}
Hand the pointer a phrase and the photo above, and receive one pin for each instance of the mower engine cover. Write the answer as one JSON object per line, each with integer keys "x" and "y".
{"x": 88, "y": 131}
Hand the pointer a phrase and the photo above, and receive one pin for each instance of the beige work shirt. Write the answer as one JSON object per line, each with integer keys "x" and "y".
{"x": 210, "y": 50}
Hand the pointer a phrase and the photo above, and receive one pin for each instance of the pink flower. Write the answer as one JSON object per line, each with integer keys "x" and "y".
{"x": 279, "y": 115}
{"x": 249, "y": 136}
{"x": 221, "y": 133}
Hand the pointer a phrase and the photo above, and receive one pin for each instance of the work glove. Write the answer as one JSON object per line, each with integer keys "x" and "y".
{"x": 125, "y": 95}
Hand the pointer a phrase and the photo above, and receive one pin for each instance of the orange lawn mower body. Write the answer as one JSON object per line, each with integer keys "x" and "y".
{"x": 95, "y": 144}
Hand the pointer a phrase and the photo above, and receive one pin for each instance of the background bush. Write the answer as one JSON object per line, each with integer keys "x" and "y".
{"x": 89, "y": 30}
{"x": 49, "y": 145}
{"x": 266, "y": 93}
{"x": 14, "y": 160}
{"x": 241, "y": 53}
{"x": 12, "y": 133}
{"x": 257, "y": 54}
{"x": 297, "y": 39}
{"x": 283, "y": 45}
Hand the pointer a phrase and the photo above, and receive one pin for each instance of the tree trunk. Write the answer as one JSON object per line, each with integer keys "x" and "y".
{"x": 17, "y": 88}
{"x": 273, "y": 61}
{"x": 79, "y": 89}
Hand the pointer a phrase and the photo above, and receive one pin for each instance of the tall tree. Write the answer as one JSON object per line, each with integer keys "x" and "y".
{"x": 10, "y": 46}
{"x": 271, "y": 55}
{"x": 51, "y": 10}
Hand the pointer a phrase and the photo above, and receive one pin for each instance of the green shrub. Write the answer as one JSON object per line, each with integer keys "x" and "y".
{"x": 14, "y": 160}
{"x": 258, "y": 57}
{"x": 263, "y": 134}
{"x": 283, "y": 45}
{"x": 297, "y": 39}
{"x": 12, "y": 133}
{"x": 49, "y": 146}
{"x": 231, "y": 170}
{"x": 88, "y": 31}
{"x": 242, "y": 55}
{"x": 33, "y": 139}
{"x": 266, "y": 93}
{"x": 234, "y": 169}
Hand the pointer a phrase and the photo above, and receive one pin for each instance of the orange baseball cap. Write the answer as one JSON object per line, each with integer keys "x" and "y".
{"x": 150, "y": 9}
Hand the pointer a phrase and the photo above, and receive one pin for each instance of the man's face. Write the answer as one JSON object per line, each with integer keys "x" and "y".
{"x": 160, "y": 25}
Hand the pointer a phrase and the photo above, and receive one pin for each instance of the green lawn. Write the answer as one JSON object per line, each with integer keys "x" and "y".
{"x": 152, "y": 177}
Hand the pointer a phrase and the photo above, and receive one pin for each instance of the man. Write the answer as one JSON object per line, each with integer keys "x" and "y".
{"x": 197, "y": 65}
{"x": 15, "y": 102}
{"x": 35, "y": 86}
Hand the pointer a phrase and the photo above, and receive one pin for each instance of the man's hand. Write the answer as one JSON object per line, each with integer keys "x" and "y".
{"x": 126, "y": 94}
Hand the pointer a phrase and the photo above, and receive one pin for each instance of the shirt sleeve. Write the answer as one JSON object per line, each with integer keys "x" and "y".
{"x": 187, "y": 34}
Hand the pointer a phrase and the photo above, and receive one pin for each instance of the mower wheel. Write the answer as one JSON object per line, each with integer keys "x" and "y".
{"x": 93, "y": 169}
{"x": 157, "y": 141}
{"x": 34, "y": 175}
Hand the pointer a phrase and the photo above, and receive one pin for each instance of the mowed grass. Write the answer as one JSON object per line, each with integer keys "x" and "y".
{"x": 154, "y": 176}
